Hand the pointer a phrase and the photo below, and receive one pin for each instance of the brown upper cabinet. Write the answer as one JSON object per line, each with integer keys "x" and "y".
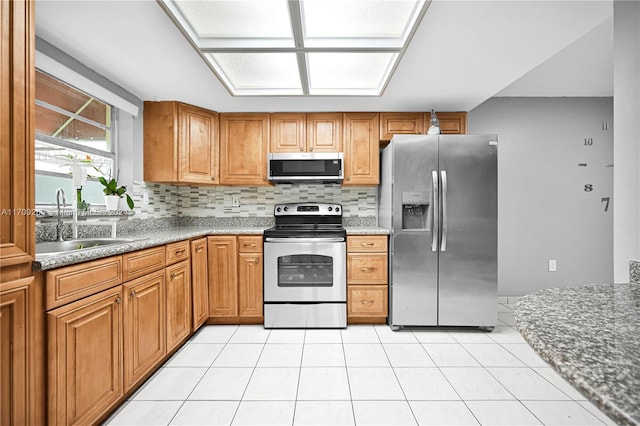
{"x": 406, "y": 123}
{"x": 361, "y": 148}
{"x": 451, "y": 123}
{"x": 244, "y": 140}
{"x": 180, "y": 143}
{"x": 311, "y": 132}
{"x": 417, "y": 123}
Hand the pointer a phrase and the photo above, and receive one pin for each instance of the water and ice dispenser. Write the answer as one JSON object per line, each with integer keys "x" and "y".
{"x": 415, "y": 210}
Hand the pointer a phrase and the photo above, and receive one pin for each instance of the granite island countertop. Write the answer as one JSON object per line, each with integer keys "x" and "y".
{"x": 145, "y": 239}
{"x": 591, "y": 335}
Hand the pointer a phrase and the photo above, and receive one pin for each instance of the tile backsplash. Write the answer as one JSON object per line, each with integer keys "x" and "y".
{"x": 258, "y": 201}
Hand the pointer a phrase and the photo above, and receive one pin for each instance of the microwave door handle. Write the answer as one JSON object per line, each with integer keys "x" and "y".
{"x": 435, "y": 230}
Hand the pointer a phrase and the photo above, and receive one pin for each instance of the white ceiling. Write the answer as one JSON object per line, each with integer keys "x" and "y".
{"x": 463, "y": 53}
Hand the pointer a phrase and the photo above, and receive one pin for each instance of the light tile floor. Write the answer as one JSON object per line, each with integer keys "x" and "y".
{"x": 364, "y": 375}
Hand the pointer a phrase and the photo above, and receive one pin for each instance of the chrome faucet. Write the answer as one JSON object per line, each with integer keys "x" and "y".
{"x": 64, "y": 201}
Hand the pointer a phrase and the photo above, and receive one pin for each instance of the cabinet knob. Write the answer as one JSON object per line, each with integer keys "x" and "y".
{"x": 301, "y": 148}
{"x": 133, "y": 293}
{"x": 264, "y": 178}
{"x": 118, "y": 300}
{"x": 173, "y": 275}
{"x": 311, "y": 148}
{"x": 199, "y": 249}
{"x": 213, "y": 178}
{"x": 348, "y": 177}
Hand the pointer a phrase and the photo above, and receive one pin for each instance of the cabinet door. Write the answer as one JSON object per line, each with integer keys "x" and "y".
{"x": 17, "y": 229}
{"x": 144, "y": 326}
{"x": 451, "y": 123}
{"x": 199, "y": 282}
{"x": 361, "y": 153}
{"x": 178, "y": 279}
{"x": 287, "y": 132}
{"x": 16, "y": 350}
{"x": 250, "y": 284}
{"x": 324, "y": 132}
{"x": 400, "y": 123}
{"x": 367, "y": 268}
{"x": 367, "y": 301}
{"x": 198, "y": 156}
{"x": 223, "y": 283}
{"x": 85, "y": 358}
{"x": 244, "y": 140}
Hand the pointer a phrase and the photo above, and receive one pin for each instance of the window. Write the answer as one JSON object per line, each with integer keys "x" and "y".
{"x": 71, "y": 124}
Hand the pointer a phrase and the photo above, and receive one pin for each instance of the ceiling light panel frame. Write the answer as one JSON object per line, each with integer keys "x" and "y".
{"x": 242, "y": 43}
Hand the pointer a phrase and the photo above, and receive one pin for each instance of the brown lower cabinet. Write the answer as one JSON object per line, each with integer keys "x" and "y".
{"x": 178, "y": 279}
{"x": 367, "y": 279}
{"x": 145, "y": 340}
{"x": 102, "y": 345}
{"x": 199, "y": 282}
{"x": 85, "y": 358}
{"x": 235, "y": 279}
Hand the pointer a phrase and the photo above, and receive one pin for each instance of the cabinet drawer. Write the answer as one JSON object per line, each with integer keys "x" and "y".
{"x": 367, "y": 243}
{"x": 367, "y": 301}
{"x": 250, "y": 244}
{"x": 367, "y": 268}
{"x": 177, "y": 252}
{"x": 142, "y": 262}
{"x": 72, "y": 283}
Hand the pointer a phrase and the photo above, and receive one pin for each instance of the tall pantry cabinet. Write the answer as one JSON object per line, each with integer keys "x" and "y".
{"x": 21, "y": 321}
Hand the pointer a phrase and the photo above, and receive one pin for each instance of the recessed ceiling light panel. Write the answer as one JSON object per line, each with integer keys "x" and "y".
{"x": 299, "y": 47}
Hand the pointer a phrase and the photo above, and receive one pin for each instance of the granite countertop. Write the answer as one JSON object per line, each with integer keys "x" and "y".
{"x": 146, "y": 239}
{"x": 591, "y": 335}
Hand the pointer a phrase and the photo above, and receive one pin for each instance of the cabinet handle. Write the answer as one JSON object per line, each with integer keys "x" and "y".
{"x": 366, "y": 269}
{"x": 248, "y": 245}
{"x": 367, "y": 302}
{"x": 118, "y": 300}
{"x": 199, "y": 249}
{"x": 255, "y": 260}
{"x": 367, "y": 244}
{"x": 179, "y": 253}
{"x": 133, "y": 293}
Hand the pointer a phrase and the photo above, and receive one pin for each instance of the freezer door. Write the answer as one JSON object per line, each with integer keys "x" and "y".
{"x": 414, "y": 266}
{"x": 468, "y": 247}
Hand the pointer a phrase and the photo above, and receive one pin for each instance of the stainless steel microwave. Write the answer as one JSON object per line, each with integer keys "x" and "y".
{"x": 318, "y": 167}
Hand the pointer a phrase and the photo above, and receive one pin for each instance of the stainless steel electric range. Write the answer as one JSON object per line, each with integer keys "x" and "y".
{"x": 305, "y": 283}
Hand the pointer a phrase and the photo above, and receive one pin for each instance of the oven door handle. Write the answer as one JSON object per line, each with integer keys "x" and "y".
{"x": 304, "y": 240}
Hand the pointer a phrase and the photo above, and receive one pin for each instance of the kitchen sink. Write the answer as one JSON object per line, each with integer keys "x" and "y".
{"x": 57, "y": 247}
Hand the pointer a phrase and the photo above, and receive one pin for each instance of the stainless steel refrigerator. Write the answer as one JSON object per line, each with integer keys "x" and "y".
{"x": 439, "y": 199}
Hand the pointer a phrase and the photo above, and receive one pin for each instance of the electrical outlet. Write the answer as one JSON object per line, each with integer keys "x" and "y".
{"x": 235, "y": 201}
{"x": 552, "y": 265}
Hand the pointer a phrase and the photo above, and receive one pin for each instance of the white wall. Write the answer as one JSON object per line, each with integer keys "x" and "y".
{"x": 626, "y": 106}
{"x": 543, "y": 210}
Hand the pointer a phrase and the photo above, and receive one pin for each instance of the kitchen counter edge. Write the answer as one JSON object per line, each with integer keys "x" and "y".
{"x": 145, "y": 240}
{"x": 588, "y": 334}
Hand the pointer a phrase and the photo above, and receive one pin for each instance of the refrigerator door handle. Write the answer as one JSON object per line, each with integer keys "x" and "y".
{"x": 436, "y": 211}
{"x": 445, "y": 219}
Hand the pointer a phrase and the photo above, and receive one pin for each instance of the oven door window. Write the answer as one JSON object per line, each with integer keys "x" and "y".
{"x": 305, "y": 270}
